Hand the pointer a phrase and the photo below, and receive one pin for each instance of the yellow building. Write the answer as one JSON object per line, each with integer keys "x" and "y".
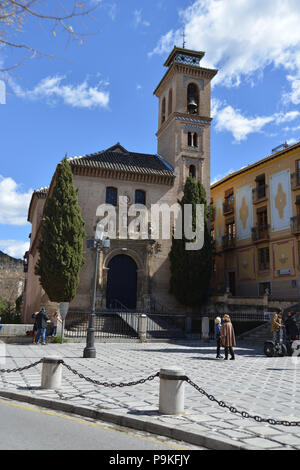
{"x": 256, "y": 227}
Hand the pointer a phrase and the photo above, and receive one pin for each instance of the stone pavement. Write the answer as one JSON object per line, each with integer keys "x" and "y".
{"x": 266, "y": 387}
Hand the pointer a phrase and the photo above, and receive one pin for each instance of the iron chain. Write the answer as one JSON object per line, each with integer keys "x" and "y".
{"x": 111, "y": 385}
{"x": 221, "y": 403}
{"x": 244, "y": 414}
{"x": 20, "y": 369}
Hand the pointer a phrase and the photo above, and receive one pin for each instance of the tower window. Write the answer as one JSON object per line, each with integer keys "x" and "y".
{"x": 163, "y": 110}
{"x": 195, "y": 139}
{"x": 170, "y": 101}
{"x": 140, "y": 197}
{"x": 192, "y": 139}
{"x": 111, "y": 196}
{"x": 192, "y": 99}
{"x": 192, "y": 171}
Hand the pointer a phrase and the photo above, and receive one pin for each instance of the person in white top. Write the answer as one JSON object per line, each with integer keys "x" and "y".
{"x": 54, "y": 321}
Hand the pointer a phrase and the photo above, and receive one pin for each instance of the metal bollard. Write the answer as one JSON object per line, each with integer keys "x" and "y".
{"x": 51, "y": 373}
{"x": 171, "y": 391}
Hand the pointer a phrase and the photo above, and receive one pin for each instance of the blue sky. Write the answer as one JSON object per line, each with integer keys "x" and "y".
{"x": 96, "y": 94}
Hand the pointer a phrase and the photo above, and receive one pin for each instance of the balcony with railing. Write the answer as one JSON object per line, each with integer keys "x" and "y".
{"x": 259, "y": 193}
{"x": 295, "y": 180}
{"x": 295, "y": 224}
{"x": 228, "y": 241}
{"x": 260, "y": 233}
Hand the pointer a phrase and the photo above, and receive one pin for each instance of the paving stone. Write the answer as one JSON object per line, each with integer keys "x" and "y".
{"x": 264, "y": 431}
{"x": 288, "y": 439}
{"x": 260, "y": 443}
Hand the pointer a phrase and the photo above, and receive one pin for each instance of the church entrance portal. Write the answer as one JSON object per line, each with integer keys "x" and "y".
{"x": 121, "y": 282}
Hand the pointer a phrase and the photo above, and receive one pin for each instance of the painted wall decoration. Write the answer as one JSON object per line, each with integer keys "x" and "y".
{"x": 244, "y": 212}
{"x": 284, "y": 259}
{"x": 280, "y": 200}
{"x": 219, "y": 228}
{"x": 246, "y": 264}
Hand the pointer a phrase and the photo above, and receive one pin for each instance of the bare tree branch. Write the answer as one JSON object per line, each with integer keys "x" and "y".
{"x": 14, "y": 14}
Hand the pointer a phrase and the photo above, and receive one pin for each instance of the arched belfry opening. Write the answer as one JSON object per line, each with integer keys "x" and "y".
{"x": 192, "y": 171}
{"x": 192, "y": 99}
{"x": 121, "y": 285}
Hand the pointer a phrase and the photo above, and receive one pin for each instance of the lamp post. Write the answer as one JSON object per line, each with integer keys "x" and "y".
{"x": 99, "y": 244}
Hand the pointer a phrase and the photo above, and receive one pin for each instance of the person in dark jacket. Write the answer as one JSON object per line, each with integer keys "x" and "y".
{"x": 291, "y": 328}
{"x": 41, "y": 322}
{"x": 218, "y": 336}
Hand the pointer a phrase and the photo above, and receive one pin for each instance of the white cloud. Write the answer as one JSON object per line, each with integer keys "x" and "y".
{"x": 291, "y": 129}
{"x": 138, "y": 20}
{"x": 13, "y": 202}
{"x": 232, "y": 120}
{"x": 294, "y": 95}
{"x": 289, "y": 116}
{"x": 14, "y": 248}
{"x": 241, "y": 38}
{"x": 78, "y": 96}
{"x": 111, "y": 10}
{"x": 221, "y": 176}
{"x": 291, "y": 141}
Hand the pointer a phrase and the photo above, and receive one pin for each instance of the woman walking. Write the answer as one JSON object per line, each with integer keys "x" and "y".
{"x": 227, "y": 337}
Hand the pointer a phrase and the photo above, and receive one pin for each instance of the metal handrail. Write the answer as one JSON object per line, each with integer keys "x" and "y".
{"x": 120, "y": 305}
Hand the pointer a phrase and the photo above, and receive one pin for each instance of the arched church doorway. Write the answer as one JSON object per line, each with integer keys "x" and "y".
{"x": 121, "y": 282}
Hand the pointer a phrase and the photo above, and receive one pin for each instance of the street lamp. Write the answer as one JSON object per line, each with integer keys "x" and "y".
{"x": 99, "y": 243}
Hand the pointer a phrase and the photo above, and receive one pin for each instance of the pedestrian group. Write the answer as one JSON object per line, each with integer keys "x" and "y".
{"x": 41, "y": 321}
{"x": 225, "y": 337}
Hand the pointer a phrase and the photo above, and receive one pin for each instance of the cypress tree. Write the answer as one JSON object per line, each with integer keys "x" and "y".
{"x": 61, "y": 243}
{"x": 191, "y": 270}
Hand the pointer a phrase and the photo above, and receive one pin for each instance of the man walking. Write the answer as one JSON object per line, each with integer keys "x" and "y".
{"x": 41, "y": 321}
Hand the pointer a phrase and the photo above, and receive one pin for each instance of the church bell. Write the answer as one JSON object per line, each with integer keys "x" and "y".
{"x": 192, "y": 106}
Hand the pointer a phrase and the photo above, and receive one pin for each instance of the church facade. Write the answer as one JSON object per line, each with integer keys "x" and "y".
{"x": 134, "y": 272}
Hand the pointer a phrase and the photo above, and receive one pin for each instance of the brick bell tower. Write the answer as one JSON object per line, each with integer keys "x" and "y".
{"x": 183, "y": 136}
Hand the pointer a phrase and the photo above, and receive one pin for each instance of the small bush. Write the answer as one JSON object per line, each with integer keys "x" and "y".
{"x": 8, "y": 313}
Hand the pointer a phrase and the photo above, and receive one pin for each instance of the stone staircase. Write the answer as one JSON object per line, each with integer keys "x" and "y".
{"x": 262, "y": 333}
{"x": 105, "y": 326}
{"x": 257, "y": 336}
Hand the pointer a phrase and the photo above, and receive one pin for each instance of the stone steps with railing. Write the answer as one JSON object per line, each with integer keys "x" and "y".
{"x": 257, "y": 336}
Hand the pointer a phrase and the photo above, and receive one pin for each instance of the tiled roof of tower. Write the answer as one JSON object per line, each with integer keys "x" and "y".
{"x": 117, "y": 158}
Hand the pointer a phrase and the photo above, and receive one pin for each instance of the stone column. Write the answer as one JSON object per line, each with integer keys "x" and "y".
{"x": 205, "y": 328}
{"x": 142, "y": 328}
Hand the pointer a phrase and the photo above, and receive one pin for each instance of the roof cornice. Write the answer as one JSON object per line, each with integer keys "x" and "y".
{"x": 123, "y": 175}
